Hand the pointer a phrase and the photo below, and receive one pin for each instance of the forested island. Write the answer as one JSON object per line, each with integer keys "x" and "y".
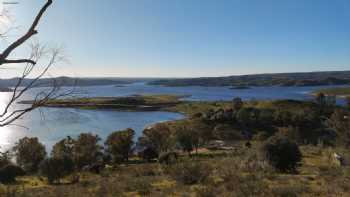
{"x": 127, "y": 103}
{"x": 282, "y": 79}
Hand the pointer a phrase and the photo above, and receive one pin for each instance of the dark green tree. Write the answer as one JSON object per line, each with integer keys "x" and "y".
{"x": 63, "y": 148}
{"x": 86, "y": 150}
{"x": 188, "y": 139}
{"x": 237, "y": 103}
{"x": 56, "y": 168}
{"x": 8, "y": 173}
{"x": 282, "y": 154}
{"x": 29, "y": 152}
{"x": 158, "y": 137}
{"x": 120, "y": 144}
{"x": 340, "y": 123}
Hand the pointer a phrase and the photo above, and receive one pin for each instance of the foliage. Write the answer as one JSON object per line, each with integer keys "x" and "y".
{"x": 237, "y": 103}
{"x": 9, "y": 172}
{"x": 282, "y": 153}
{"x": 189, "y": 172}
{"x": 55, "y": 168}
{"x": 247, "y": 116}
{"x": 320, "y": 98}
{"x": 86, "y": 150}
{"x": 5, "y": 158}
{"x": 226, "y": 132}
{"x": 158, "y": 137}
{"x": 148, "y": 154}
{"x": 63, "y": 148}
{"x": 168, "y": 158}
{"x": 29, "y": 153}
{"x": 340, "y": 123}
{"x": 120, "y": 144}
{"x": 187, "y": 138}
{"x": 291, "y": 133}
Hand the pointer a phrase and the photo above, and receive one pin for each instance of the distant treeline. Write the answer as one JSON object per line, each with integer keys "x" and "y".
{"x": 280, "y": 79}
{"x": 66, "y": 81}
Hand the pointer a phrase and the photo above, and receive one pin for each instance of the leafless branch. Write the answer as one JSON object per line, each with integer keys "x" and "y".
{"x": 31, "y": 31}
{"x": 23, "y": 85}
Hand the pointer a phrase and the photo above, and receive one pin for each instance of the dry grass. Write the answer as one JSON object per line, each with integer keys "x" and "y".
{"x": 241, "y": 173}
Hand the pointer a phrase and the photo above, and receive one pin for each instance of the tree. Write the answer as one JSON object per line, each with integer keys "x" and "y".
{"x": 5, "y": 158}
{"x": 10, "y": 112}
{"x": 340, "y": 123}
{"x": 158, "y": 137}
{"x": 282, "y": 154}
{"x": 237, "y": 103}
{"x": 120, "y": 144}
{"x": 86, "y": 150}
{"x": 348, "y": 102}
{"x": 56, "y": 168}
{"x": 247, "y": 116}
{"x": 187, "y": 138}
{"x": 148, "y": 154}
{"x": 63, "y": 148}
{"x": 29, "y": 152}
{"x": 320, "y": 99}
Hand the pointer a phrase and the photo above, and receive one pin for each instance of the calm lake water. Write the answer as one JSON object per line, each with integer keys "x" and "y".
{"x": 52, "y": 124}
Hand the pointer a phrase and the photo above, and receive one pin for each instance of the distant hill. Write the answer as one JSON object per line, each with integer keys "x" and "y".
{"x": 68, "y": 81}
{"x": 279, "y": 79}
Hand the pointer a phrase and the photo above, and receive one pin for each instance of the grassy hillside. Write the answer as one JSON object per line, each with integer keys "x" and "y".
{"x": 282, "y": 79}
{"x": 223, "y": 175}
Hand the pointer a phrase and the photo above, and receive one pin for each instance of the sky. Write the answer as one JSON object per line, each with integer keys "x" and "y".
{"x": 190, "y": 38}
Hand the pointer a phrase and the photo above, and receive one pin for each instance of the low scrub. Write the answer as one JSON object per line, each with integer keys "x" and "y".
{"x": 189, "y": 172}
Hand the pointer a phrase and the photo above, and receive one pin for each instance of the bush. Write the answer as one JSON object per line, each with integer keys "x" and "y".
{"x": 168, "y": 158}
{"x": 29, "y": 153}
{"x": 63, "y": 148}
{"x": 282, "y": 154}
{"x": 158, "y": 137}
{"x": 55, "y": 168}
{"x": 187, "y": 138}
{"x": 237, "y": 103}
{"x": 86, "y": 150}
{"x": 189, "y": 172}
{"x": 9, "y": 173}
{"x": 5, "y": 159}
{"x": 120, "y": 144}
{"x": 148, "y": 154}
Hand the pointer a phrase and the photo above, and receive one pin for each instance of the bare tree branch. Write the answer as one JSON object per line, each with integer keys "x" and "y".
{"x": 19, "y": 61}
{"x": 11, "y": 113}
{"x": 31, "y": 31}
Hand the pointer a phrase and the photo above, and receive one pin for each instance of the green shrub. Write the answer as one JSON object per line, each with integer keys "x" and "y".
{"x": 120, "y": 144}
{"x": 282, "y": 154}
{"x": 86, "y": 150}
{"x": 29, "y": 153}
{"x": 148, "y": 154}
{"x": 55, "y": 168}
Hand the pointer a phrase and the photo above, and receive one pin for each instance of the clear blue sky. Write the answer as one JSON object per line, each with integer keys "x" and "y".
{"x": 191, "y": 38}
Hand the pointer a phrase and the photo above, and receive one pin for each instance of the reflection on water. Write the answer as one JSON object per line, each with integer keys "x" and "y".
{"x": 53, "y": 124}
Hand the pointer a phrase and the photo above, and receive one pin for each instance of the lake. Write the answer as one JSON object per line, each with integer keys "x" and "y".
{"x": 52, "y": 124}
